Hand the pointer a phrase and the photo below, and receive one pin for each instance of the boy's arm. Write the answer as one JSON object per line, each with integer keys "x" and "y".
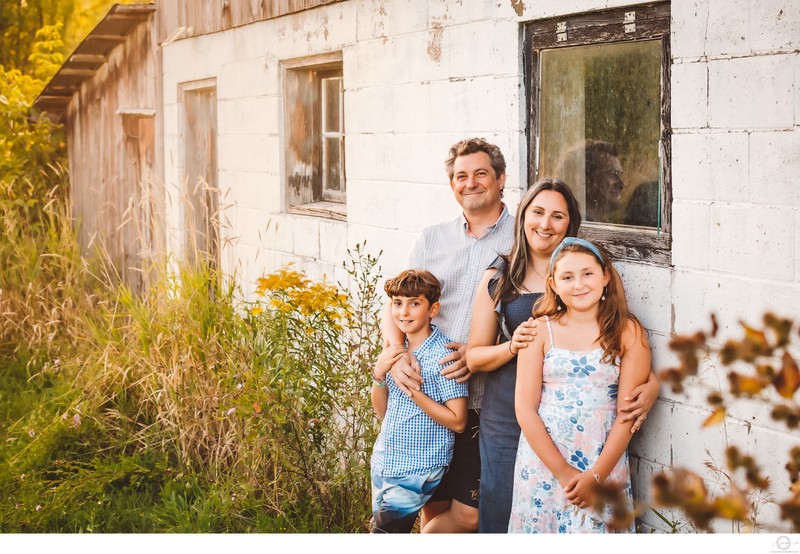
{"x": 453, "y": 414}
{"x": 380, "y": 399}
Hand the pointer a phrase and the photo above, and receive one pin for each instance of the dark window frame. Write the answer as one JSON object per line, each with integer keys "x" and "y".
{"x": 633, "y": 23}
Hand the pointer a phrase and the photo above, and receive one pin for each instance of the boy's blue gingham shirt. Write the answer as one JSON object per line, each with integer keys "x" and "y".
{"x": 410, "y": 442}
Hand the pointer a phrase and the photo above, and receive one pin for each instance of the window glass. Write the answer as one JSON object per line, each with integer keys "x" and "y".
{"x": 600, "y": 123}
{"x": 333, "y": 165}
{"x": 330, "y": 94}
{"x": 332, "y": 175}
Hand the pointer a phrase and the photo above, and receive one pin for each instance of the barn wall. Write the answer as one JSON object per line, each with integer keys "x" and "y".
{"x": 115, "y": 157}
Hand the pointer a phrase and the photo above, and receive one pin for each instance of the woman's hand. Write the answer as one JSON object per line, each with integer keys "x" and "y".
{"x": 523, "y": 335}
{"x": 639, "y": 402}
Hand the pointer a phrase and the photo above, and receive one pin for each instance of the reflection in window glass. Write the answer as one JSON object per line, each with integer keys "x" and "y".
{"x": 332, "y": 164}
{"x": 600, "y": 122}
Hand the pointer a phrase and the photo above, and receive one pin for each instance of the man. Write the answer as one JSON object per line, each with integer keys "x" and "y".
{"x": 458, "y": 252}
{"x": 604, "y": 182}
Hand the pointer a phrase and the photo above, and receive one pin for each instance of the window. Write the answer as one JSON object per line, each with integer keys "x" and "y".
{"x": 598, "y": 92}
{"x": 314, "y": 131}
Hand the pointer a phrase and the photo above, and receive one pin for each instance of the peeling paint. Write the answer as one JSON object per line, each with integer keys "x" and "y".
{"x": 519, "y": 6}
{"x": 435, "y": 43}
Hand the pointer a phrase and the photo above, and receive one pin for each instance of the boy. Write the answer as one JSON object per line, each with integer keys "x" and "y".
{"x": 415, "y": 444}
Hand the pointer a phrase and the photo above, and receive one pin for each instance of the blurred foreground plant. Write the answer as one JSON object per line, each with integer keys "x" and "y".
{"x": 760, "y": 366}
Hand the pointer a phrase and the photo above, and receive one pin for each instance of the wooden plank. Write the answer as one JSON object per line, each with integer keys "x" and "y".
{"x": 210, "y": 16}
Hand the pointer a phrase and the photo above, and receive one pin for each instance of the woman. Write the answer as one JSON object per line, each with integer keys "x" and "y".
{"x": 502, "y": 324}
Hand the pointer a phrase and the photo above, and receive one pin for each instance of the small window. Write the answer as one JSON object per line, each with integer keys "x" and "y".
{"x": 599, "y": 120}
{"x": 314, "y": 131}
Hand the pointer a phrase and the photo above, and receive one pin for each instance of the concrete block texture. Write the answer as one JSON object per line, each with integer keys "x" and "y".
{"x": 696, "y": 295}
{"x": 752, "y": 240}
{"x": 710, "y": 166}
{"x": 775, "y": 168}
{"x": 648, "y": 291}
{"x": 797, "y": 89}
{"x": 306, "y": 230}
{"x": 411, "y": 108}
{"x": 690, "y": 234}
{"x": 797, "y": 246}
{"x": 480, "y": 61}
{"x": 449, "y": 13}
{"x": 775, "y": 25}
{"x": 367, "y": 203}
{"x": 689, "y": 94}
{"x": 333, "y": 243}
{"x": 752, "y": 92}
{"x": 728, "y": 28}
{"x": 386, "y": 18}
{"x": 688, "y": 28}
{"x": 249, "y": 115}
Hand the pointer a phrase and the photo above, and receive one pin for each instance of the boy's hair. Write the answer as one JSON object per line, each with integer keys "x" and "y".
{"x": 414, "y": 282}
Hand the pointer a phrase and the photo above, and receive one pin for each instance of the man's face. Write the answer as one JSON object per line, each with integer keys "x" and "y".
{"x": 606, "y": 184}
{"x": 475, "y": 185}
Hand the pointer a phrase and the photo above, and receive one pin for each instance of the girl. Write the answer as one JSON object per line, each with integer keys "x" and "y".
{"x": 568, "y": 381}
{"x": 503, "y": 305}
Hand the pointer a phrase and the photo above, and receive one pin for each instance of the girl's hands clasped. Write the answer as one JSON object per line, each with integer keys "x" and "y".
{"x": 580, "y": 489}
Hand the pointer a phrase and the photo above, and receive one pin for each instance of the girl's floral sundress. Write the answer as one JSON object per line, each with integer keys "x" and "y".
{"x": 578, "y": 407}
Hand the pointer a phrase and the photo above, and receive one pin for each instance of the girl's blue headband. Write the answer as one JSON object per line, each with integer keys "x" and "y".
{"x": 580, "y": 242}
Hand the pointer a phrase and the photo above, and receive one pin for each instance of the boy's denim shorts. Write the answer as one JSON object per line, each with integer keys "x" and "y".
{"x": 396, "y": 501}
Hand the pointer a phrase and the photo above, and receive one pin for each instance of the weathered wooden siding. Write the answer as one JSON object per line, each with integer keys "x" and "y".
{"x": 114, "y": 150}
{"x": 210, "y": 16}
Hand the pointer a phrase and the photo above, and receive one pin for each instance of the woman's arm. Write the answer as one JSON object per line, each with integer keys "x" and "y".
{"x": 453, "y": 414}
{"x": 527, "y": 395}
{"x": 634, "y": 367}
{"x": 483, "y": 352}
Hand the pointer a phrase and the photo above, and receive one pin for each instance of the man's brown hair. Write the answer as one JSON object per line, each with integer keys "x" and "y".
{"x": 472, "y": 146}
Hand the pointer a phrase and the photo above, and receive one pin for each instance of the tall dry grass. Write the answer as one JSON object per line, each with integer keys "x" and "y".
{"x": 179, "y": 408}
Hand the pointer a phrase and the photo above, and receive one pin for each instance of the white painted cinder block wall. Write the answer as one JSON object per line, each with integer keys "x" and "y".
{"x": 420, "y": 75}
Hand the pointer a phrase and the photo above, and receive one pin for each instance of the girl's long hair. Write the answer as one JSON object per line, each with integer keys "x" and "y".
{"x": 613, "y": 313}
{"x": 516, "y": 263}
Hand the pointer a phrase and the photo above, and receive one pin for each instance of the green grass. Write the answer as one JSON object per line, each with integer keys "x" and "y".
{"x": 177, "y": 410}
